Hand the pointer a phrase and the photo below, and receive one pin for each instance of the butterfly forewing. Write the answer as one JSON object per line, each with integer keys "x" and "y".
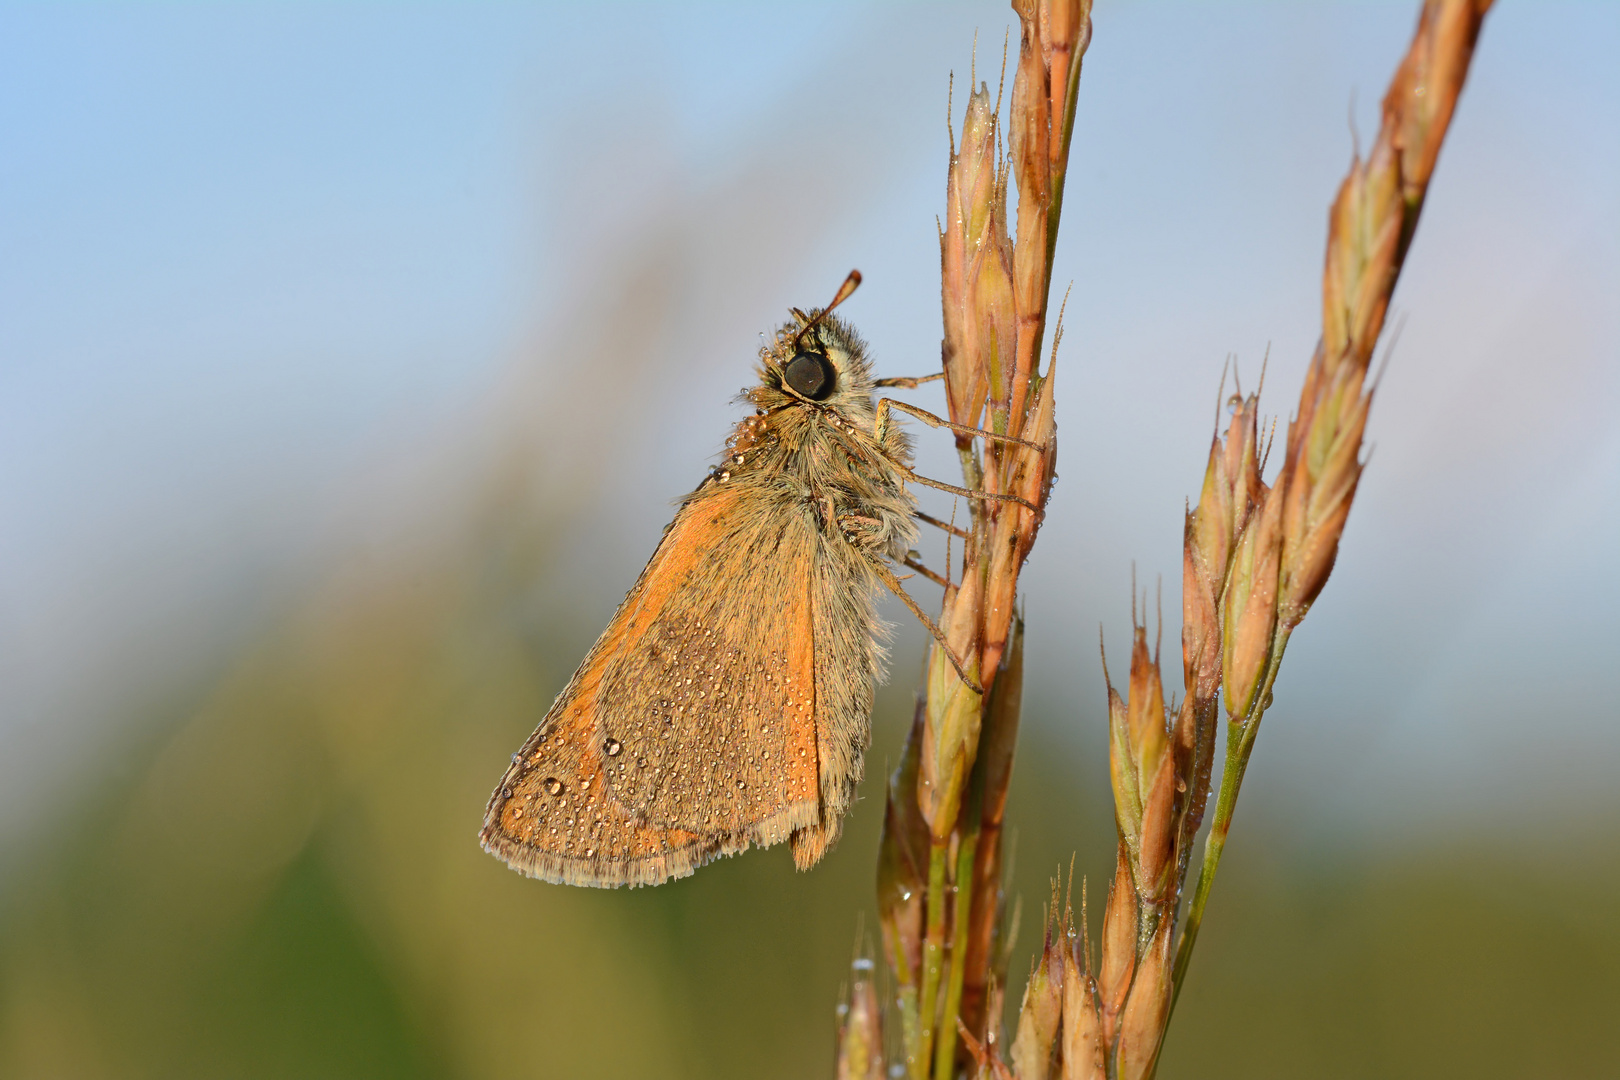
{"x": 706, "y": 716}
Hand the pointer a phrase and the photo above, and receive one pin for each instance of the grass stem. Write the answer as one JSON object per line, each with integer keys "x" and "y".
{"x": 933, "y": 961}
{"x": 1240, "y": 737}
{"x": 961, "y": 903}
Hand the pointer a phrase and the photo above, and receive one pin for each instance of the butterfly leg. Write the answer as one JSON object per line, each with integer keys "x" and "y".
{"x": 912, "y": 560}
{"x": 840, "y": 425}
{"x": 858, "y": 531}
{"x": 954, "y": 530}
{"x": 967, "y": 493}
{"x": 887, "y": 577}
{"x": 881, "y": 426}
{"x": 884, "y": 405}
{"x": 909, "y": 383}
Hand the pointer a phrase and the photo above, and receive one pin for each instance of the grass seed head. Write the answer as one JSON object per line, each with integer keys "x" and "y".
{"x": 1249, "y": 614}
{"x": 1122, "y": 771}
{"x": 1042, "y": 1010}
{"x": 976, "y": 263}
{"x": 1142, "y": 1026}
{"x": 860, "y": 1027}
{"x": 1231, "y": 492}
{"x": 1145, "y": 708}
{"x": 1118, "y": 946}
{"x": 1083, "y": 1053}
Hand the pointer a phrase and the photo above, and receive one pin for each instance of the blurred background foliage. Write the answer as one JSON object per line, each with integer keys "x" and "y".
{"x": 353, "y": 355}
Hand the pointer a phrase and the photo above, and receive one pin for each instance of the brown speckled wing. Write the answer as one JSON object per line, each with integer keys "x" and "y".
{"x": 688, "y": 732}
{"x": 553, "y": 818}
{"x": 708, "y": 722}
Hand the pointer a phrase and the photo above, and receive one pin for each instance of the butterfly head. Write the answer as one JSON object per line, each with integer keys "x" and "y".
{"x": 817, "y": 360}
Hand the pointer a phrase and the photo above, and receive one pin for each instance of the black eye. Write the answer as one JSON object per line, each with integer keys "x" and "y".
{"x": 809, "y": 375}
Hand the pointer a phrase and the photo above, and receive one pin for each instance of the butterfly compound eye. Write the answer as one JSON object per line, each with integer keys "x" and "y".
{"x": 809, "y": 375}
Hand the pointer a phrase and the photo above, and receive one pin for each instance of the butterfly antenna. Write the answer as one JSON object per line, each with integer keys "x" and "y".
{"x": 850, "y": 284}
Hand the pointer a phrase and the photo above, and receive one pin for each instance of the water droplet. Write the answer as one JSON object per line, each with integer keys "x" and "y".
{"x": 554, "y": 785}
{"x": 517, "y": 759}
{"x": 506, "y": 793}
{"x": 613, "y": 747}
{"x": 862, "y": 963}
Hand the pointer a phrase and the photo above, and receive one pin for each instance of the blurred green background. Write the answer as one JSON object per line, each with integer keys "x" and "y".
{"x": 349, "y": 359}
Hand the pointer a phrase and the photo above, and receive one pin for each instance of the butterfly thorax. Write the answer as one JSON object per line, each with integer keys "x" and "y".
{"x": 825, "y": 454}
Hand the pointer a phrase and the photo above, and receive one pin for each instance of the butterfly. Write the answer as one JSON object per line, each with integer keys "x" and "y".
{"x": 728, "y": 702}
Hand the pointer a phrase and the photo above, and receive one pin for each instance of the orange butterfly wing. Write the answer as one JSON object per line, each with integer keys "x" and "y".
{"x": 689, "y": 730}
